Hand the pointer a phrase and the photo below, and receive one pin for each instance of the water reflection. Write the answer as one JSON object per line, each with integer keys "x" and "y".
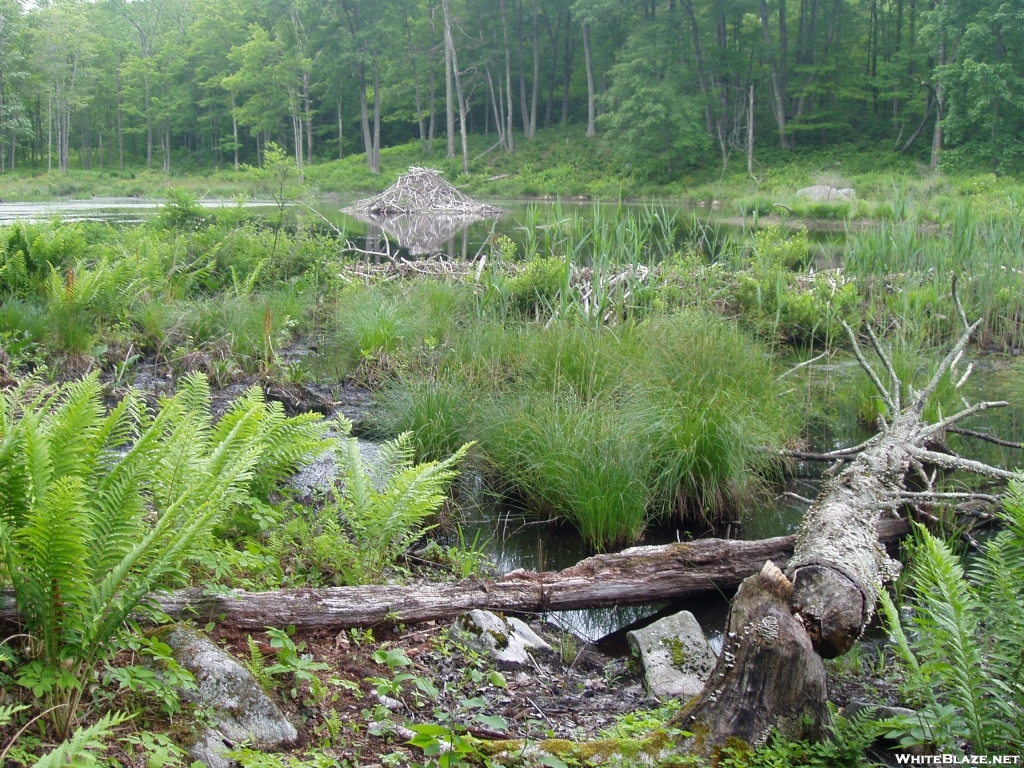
{"x": 420, "y": 234}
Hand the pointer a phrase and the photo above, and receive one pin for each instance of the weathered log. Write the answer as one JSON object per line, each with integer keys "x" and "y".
{"x": 631, "y": 577}
{"x": 836, "y": 571}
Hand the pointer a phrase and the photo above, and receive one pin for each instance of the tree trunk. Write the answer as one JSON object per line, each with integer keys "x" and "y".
{"x": 591, "y": 96}
{"x": 635, "y": 576}
{"x": 234, "y": 129}
{"x": 778, "y": 76}
{"x": 567, "y": 73}
{"x": 433, "y": 86}
{"x": 364, "y": 117}
{"x": 309, "y": 118}
{"x": 523, "y": 107}
{"x": 120, "y": 133}
{"x": 536, "y": 74}
{"x": 750, "y": 134}
{"x": 341, "y": 135}
{"x": 509, "y": 141}
{"x": 770, "y": 673}
{"x": 449, "y": 50}
{"x": 376, "y": 118}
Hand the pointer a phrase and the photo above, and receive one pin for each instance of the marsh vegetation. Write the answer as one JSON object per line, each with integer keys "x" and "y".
{"x": 617, "y": 371}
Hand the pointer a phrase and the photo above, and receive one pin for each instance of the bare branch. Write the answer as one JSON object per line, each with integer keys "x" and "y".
{"x": 886, "y": 396}
{"x": 964, "y": 414}
{"x": 808, "y": 456}
{"x": 966, "y": 465}
{"x": 924, "y": 394}
{"x": 797, "y": 496}
{"x": 812, "y": 361}
{"x": 959, "y": 306}
{"x": 983, "y": 436}
{"x": 937, "y": 496}
{"x": 894, "y": 380}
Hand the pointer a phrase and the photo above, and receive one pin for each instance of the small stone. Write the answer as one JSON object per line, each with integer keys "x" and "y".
{"x": 677, "y": 659}
{"x": 508, "y": 641}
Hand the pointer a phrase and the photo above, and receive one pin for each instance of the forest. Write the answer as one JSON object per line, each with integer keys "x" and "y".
{"x": 664, "y": 86}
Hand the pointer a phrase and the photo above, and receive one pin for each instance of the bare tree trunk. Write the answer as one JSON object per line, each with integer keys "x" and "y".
{"x": 234, "y": 129}
{"x": 454, "y": 62}
{"x": 498, "y": 123}
{"x": 509, "y": 141}
{"x": 522, "y": 76}
{"x": 309, "y": 118}
{"x": 449, "y": 51}
{"x": 341, "y": 134}
{"x": 536, "y": 74}
{"x": 120, "y": 133}
{"x": 937, "y": 133}
{"x": 376, "y": 117}
{"x": 770, "y": 673}
{"x": 591, "y": 96}
{"x": 778, "y": 76}
{"x": 364, "y": 116}
{"x": 750, "y": 134}
{"x": 433, "y": 85}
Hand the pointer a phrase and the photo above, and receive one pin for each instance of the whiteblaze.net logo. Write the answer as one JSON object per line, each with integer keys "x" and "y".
{"x": 958, "y": 759}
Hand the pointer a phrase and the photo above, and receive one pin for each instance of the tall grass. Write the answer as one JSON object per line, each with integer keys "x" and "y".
{"x": 604, "y": 428}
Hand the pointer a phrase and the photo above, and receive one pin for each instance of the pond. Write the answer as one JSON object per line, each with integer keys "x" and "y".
{"x": 462, "y": 237}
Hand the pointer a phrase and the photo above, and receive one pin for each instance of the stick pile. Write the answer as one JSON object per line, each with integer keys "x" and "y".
{"x": 421, "y": 190}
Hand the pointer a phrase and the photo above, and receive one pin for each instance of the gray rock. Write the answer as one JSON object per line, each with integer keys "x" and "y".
{"x": 677, "y": 659}
{"x": 507, "y": 640}
{"x": 319, "y": 475}
{"x": 209, "y": 749}
{"x": 822, "y": 193}
{"x": 242, "y": 710}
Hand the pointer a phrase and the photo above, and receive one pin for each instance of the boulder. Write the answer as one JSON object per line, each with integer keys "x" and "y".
{"x": 242, "y": 711}
{"x": 822, "y": 193}
{"x": 209, "y": 749}
{"x": 319, "y": 475}
{"x": 507, "y": 640}
{"x": 676, "y": 657}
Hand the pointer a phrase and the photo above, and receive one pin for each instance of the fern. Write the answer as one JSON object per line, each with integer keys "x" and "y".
{"x": 92, "y": 530}
{"x": 966, "y": 665}
{"x": 386, "y": 513}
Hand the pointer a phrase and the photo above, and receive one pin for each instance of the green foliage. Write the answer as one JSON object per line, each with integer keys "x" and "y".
{"x": 98, "y": 509}
{"x": 962, "y": 664}
{"x": 652, "y": 123}
{"x": 846, "y": 748}
{"x": 374, "y": 513}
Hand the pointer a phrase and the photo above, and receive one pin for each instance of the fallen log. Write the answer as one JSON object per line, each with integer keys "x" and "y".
{"x": 632, "y": 577}
{"x": 770, "y": 674}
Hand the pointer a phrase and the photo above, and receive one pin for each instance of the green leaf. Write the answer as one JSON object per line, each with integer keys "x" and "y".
{"x": 497, "y": 722}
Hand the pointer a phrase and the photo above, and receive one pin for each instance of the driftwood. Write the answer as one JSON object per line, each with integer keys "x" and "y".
{"x": 770, "y": 673}
{"x": 634, "y": 576}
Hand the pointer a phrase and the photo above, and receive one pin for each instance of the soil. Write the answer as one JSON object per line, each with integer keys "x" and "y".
{"x": 571, "y": 693}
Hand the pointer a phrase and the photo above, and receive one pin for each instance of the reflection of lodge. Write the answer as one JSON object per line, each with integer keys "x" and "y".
{"x": 419, "y": 234}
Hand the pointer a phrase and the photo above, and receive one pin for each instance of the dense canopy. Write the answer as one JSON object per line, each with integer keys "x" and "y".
{"x": 666, "y": 83}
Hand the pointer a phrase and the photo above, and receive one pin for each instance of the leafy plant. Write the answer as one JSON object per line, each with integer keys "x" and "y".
{"x": 384, "y": 508}
{"x": 964, "y": 661}
{"x": 99, "y": 509}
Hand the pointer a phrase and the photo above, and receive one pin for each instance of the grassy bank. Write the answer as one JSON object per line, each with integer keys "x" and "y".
{"x": 563, "y": 162}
